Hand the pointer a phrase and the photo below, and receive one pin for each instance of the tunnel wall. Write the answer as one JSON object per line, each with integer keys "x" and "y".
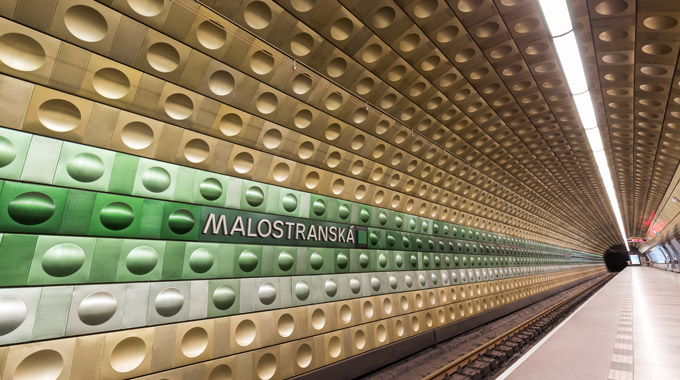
{"x": 154, "y": 222}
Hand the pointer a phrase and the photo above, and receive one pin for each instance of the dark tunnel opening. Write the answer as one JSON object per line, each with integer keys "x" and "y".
{"x": 616, "y": 257}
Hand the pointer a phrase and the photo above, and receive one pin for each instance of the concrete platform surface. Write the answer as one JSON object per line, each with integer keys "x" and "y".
{"x": 630, "y": 329}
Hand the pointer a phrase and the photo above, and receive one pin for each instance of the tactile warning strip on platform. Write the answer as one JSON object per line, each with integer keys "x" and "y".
{"x": 621, "y": 367}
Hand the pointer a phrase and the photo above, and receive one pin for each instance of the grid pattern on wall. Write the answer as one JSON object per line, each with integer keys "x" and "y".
{"x": 125, "y": 124}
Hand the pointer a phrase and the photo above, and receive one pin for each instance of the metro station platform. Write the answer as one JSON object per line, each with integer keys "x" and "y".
{"x": 630, "y": 329}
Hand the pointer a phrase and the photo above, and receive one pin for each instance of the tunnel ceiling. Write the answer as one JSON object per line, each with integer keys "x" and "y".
{"x": 474, "y": 88}
{"x": 452, "y": 109}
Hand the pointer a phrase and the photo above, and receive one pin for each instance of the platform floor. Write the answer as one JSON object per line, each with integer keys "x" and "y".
{"x": 630, "y": 329}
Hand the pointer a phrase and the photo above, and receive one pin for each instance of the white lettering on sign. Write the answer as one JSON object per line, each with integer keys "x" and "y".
{"x": 277, "y": 229}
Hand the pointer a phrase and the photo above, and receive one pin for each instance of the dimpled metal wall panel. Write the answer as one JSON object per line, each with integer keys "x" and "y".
{"x": 237, "y": 189}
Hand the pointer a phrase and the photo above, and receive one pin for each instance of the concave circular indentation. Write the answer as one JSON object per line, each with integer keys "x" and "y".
{"x": 371, "y": 53}
{"x": 464, "y": 55}
{"x": 117, "y": 216}
{"x": 312, "y": 180}
{"x": 163, "y": 57}
{"x": 266, "y": 366}
{"x": 221, "y": 372}
{"x": 333, "y": 101}
{"x": 243, "y": 162}
{"x": 365, "y": 86}
{"x": 316, "y": 260}
{"x": 266, "y": 103}
{"x": 7, "y": 151}
{"x": 248, "y": 261}
{"x": 211, "y": 35}
{"x": 224, "y": 297}
{"x": 211, "y": 189}
{"x": 285, "y": 325}
{"x": 301, "y": 44}
{"x": 97, "y": 308}
{"x": 396, "y": 73}
{"x": 59, "y": 115}
{"x": 156, "y": 179}
{"x": 196, "y": 150}
{"x": 141, "y": 260}
{"x": 302, "y": 83}
{"x": 267, "y": 293}
{"x": 611, "y": 7}
{"x": 447, "y": 34}
{"x": 221, "y": 83}
{"x": 360, "y": 339}
{"x": 304, "y": 355}
{"x": 653, "y": 70}
{"x": 657, "y": 49}
{"x": 85, "y": 167}
{"x": 302, "y": 290}
{"x": 231, "y": 124}
{"x": 21, "y": 52}
{"x": 409, "y": 43}
{"x": 660, "y": 22}
{"x": 384, "y": 17}
{"x": 257, "y": 15}
{"x": 303, "y": 118}
{"x": 303, "y": 5}
{"x": 425, "y": 8}
{"x": 194, "y": 342}
{"x": 262, "y": 62}
{"x": 181, "y": 221}
{"x": 381, "y": 333}
{"x": 527, "y": 25}
{"x": 201, "y": 260}
{"x": 13, "y": 312}
{"x": 613, "y": 35}
{"x": 43, "y": 365}
{"x": 281, "y": 172}
{"x": 318, "y": 319}
{"x": 85, "y": 23}
{"x": 285, "y": 261}
{"x": 430, "y": 63}
{"x": 500, "y": 52}
{"x": 355, "y": 285}
{"x": 467, "y": 6}
{"x": 487, "y": 30}
{"x": 336, "y": 67}
{"x": 334, "y": 347}
{"x": 289, "y": 202}
{"x": 333, "y": 131}
{"x": 147, "y": 8}
{"x": 254, "y": 196}
{"x": 331, "y": 288}
{"x": 272, "y": 138}
{"x": 137, "y": 135}
{"x": 31, "y": 208}
{"x": 128, "y": 354}
{"x": 305, "y": 150}
{"x": 178, "y": 106}
{"x": 169, "y": 302}
{"x": 342, "y": 29}
{"x": 63, "y": 260}
{"x": 245, "y": 333}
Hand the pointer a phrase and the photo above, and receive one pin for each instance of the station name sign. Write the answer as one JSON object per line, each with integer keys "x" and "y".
{"x": 636, "y": 240}
{"x": 242, "y": 226}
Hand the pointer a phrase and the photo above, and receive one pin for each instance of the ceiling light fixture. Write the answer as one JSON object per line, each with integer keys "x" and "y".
{"x": 558, "y": 19}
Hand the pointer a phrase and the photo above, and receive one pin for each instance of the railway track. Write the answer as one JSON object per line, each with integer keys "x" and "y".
{"x": 487, "y": 359}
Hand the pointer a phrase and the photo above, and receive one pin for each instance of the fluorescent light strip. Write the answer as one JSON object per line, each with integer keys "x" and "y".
{"x": 557, "y": 16}
{"x": 570, "y": 58}
{"x": 556, "y": 12}
{"x": 584, "y": 107}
